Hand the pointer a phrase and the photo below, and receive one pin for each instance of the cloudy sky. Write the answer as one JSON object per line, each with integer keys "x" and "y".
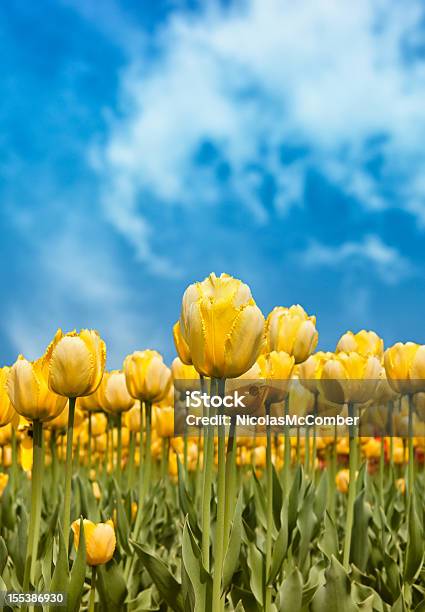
{"x": 146, "y": 144}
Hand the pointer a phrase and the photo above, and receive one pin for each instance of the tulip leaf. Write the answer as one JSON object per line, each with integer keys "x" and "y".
{"x": 111, "y": 586}
{"x": 246, "y": 598}
{"x": 321, "y": 497}
{"x": 281, "y": 543}
{"x": 335, "y": 594}
{"x": 291, "y": 592}
{"x": 122, "y": 521}
{"x": 256, "y": 572}
{"x": 328, "y": 543}
{"x": 293, "y": 499}
{"x": 168, "y": 587}
{"x": 231, "y": 559}
{"x": 60, "y": 576}
{"x": 186, "y": 503}
{"x": 359, "y": 539}
{"x": 3, "y": 555}
{"x": 78, "y": 574}
{"x": 306, "y": 523}
{"x": 199, "y": 579}
{"x": 277, "y": 498}
{"x": 415, "y": 545}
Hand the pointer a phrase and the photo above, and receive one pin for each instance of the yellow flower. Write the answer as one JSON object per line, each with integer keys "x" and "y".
{"x": 26, "y": 452}
{"x": 291, "y": 330}
{"x": 99, "y": 422}
{"x": 60, "y": 422}
{"x": 114, "y": 393}
{"x": 182, "y": 371}
{"x": 405, "y": 367}
{"x": 342, "y": 480}
{"x": 400, "y": 483}
{"x": 4, "y": 479}
{"x": 132, "y": 418}
{"x": 146, "y": 375}
{"x": 372, "y": 449}
{"x": 310, "y": 371}
{"x": 222, "y": 326}
{"x": 97, "y": 495}
{"x": 300, "y": 399}
{"x": 7, "y": 410}
{"x": 364, "y": 342}
{"x": 76, "y": 362}
{"x": 350, "y": 377}
{"x": 181, "y": 345}
{"x": 100, "y": 540}
{"x": 29, "y": 393}
{"x": 165, "y": 422}
{"x": 92, "y": 402}
{"x": 276, "y": 368}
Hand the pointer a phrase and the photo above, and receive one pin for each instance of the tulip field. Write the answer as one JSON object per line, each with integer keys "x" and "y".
{"x": 110, "y": 500}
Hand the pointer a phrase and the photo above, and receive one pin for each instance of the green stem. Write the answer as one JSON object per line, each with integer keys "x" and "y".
{"x": 68, "y": 472}
{"x": 54, "y": 453}
{"x": 217, "y": 600}
{"x": 148, "y": 450}
{"x": 381, "y": 472}
{"x": 351, "y": 490}
{"x": 391, "y": 434}
{"x": 14, "y": 470}
{"x": 314, "y": 449}
{"x": 269, "y": 517}
{"x": 92, "y": 589}
{"x": 119, "y": 447}
{"x": 287, "y": 454}
{"x": 89, "y": 441}
{"x": 411, "y": 459}
{"x": 131, "y": 452}
{"x": 206, "y": 486}
{"x": 36, "y": 487}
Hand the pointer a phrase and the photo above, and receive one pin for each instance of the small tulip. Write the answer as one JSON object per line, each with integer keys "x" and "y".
{"x": 291, "y": 330}
{"x": 350, "y": 377}
{"x": 181, "y": 345}
{"x": 7, "y": 410}
{"x": 100, "y": 540}
{"x": 4, "y": 479}
{"x": 165, "y": 422}
{"x": 222, "y": 326}
{"x": 366, "y": 343}
{"x": 342, "y": 480}
{"x": 76, "y": 362}
{"x": 146, "y": 375}
{"x": 310, "y": 370}
{"x": 29, "y": 393}
{"x": 405, "y": 367}
{"x": 114, "y": 394}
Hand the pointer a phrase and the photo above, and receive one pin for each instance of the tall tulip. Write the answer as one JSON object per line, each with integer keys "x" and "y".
{"x": 291, "y": 330}
{"x": 405, "y": 368}
{"x": 31, "y": 397}
{"x": 75, "y": 362}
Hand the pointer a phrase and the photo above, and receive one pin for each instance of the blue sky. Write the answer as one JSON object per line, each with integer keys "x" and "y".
{"x": 144, "y": 145}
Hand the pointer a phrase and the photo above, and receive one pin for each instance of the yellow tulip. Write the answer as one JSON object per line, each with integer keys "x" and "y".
{"x": 291, "y": 330}
{"x": 400, "y": 483}
{"x": 60, "y": 422}
{"x": 146, "y": 375}
{"x": 165, "y": 422}
{"x": 276, "y": 368}
{"x": 300, "y": 400}
{"x": 7, "y": 410}
{"x": 181, "y": 345}
{"x": 132, "y": 418}
{"x": 4, "y": 479}
{"x": 100, "y": 540}
{"x": 76, "y": 362}
{"x": 182, "y": 371}
{"x": 372, "y": 449}
{"x": 114, "y": 393}
{"x": 99, "y": 423}
{"x": 342, "y": 480}
{"x": 92, "y": 402}
{"x": 310, "y": 370}
{"x": 29, "y": 393}
{"x": 367, "y": 343}
{"x": 405, "y": 367}
{"x": 222, "y": 326}
{"x": 350, "y": 377}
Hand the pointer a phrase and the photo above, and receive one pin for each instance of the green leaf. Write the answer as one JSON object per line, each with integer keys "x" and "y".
{"x": 291, "y": 592}
{"x": 186, "y": 503}
{"x": 200, "y": 580}
{"x": 335, "y": 594}
{"x": 78, "y": 574}
{"x": 3, "y": 555}
{"x": 60, "y": 576}
{"x": 111, "y": 586}
{"x": 281, "y": 544}
{"x": 168, "y": 587}
{"x": 321, "y": 497}
{"x": 328, "y": 543}
{"x": 415, "y": 545}
{"x": 123, "y": 527}
{"x": 277, "y": 498}
{"x": 306, "y": 523}
{"x": 256, "y": 572}
{"x": 247, "y": 599}
{"x": 293, "y": 499}
{"x": 231, "y": 560}
{"x": 359, "y": 538}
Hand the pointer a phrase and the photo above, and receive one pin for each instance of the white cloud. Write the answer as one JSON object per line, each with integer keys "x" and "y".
{"x": 331, "y": 76}
{"x": 388, "y": 262}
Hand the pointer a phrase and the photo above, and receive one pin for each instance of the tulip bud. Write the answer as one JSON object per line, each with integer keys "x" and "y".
{"x": 222, "y": 326}
{"x": 165, "y": 422}
{"x": 4, "y": 479}
{"x": 405, "y": 367}
{"x": 132, "y": 418}
{"x": 366, "y": 343}
{"x": 146, "y": 375}
{"x": 181, "y": 371}
{"x": 7, "y": 410}
{"x": 114, "y": 394}
{"x": 291, "y": 330}
{"x": 100, "y": 540}
{"x": 76, "y": 362}
{"x": 29, "y": 393}
{"x": 310, "y": 370}
{"x": 276, "y": 367}
{"x": 342, "y": 480}
{"x": 181, "y": 345}
{"x": 350, "y": 377}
